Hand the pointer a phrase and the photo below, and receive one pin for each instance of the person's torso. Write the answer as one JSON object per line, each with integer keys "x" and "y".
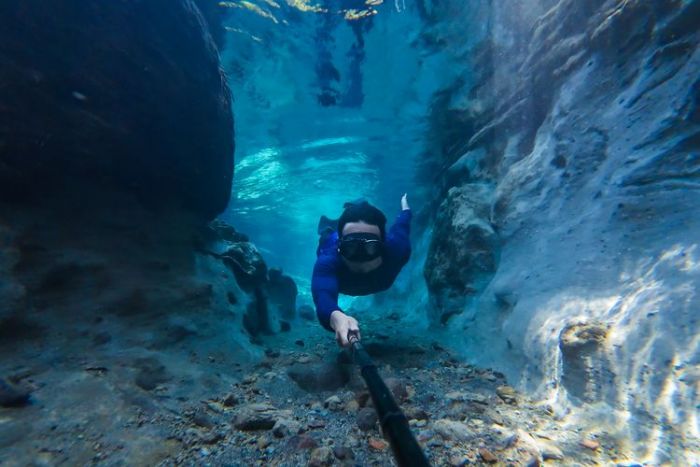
{"x": 356, "y": 283}
{"x": 365, "y": 283}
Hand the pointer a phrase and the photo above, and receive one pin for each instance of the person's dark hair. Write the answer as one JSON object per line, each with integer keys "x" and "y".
{"x": 362, "y": 211}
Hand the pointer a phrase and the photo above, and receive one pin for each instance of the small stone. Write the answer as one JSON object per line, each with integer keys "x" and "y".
{"x": 547, "y": 449}
{"x": 263, "y": 442}
{"x": 316, "y": 423}
{"x": 151, "y": 373}
{"x": 271, "y": 353}
{"x": 362, "y": 398}
{"x": 458, "y": 396}
{"x": 316, "y": 406}
{"x": 325, "y": 376}
{"x": 507, "y": 394}
{"x": 352, "y": 406}
{"x": 321, "y": 457}
{"x": 377, "y": 444}
{"x": 11, "y": 395}
{"x": 458, "y": 461}
{"x": 411, "y": 391}
{"x": 452, "y": 430}
{"x": 487, "y": 456}
{"x": 397, "y": 388}
{"x": 435, "y": 442}
{"x": 214, "y": 406}
{"x": 285, "y": 427}
{"x": 333, "y": 403}
{"x": 343, "y": 452}
{"x": 551, "y": 452}
{"x": 366, "y": 419}
{"x": 231, "y": 400}
{"x": 476, "y": 423}
{"x": 299, "y": 342}
{"x": 591, "y": 444}
{"x": 202, "y": 419}
{"x": 258, "y": 417}
{"x": 417, "y": 413}
{"x": 303, "y": 442}
{"x": 249, "y": 379}
{"x": 212, "y": 437}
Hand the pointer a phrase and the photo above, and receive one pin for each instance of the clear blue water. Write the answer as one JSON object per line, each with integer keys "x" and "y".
{"x": 298, "y": 155}
{"x": 549, "y": 149}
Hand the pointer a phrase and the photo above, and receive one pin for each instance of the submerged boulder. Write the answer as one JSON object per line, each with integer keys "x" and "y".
{"x": 99, "y": 97}
{"x": 282, "y": 291}
{"x": 247, "y": 264}
{"x": 464, "y": 252}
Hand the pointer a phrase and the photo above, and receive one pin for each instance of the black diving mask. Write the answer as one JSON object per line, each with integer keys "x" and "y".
{"x": 361, "y": 246}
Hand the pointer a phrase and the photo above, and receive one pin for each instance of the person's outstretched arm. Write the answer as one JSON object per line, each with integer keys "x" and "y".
{"x": 398, "y": 237}
{"x": 324, "y": 288}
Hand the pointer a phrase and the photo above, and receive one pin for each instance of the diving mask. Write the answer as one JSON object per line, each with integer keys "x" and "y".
{"x": 360, "y": 246}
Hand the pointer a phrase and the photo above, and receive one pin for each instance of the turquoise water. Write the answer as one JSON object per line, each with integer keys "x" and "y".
{"x": 298, "y": 159}
{"x": 550, "y": 151}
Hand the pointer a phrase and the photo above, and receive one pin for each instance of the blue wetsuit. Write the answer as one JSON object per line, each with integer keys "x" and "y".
{"x": 332, "y": 276}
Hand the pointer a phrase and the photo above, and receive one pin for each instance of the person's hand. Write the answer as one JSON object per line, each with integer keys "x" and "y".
{"x": 342, "y": 324}
{"x": 404, "y": 202}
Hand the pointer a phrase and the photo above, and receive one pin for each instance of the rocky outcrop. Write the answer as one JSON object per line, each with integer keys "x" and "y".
{"x": 463, "y": 254}
{"x": 272, "y": 294}
{"x": 583, "y": 116}
{"x": 282, "y": 291}
{"x": 104, "y": 97}
{"x": 585, "y": 367}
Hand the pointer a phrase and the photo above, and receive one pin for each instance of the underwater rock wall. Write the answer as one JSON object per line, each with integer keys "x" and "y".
{"x": 115, "y": 122}
{"x": 583, "y": 125}
{"x": 116, "y": 147}
{"x": 103, "y": 97}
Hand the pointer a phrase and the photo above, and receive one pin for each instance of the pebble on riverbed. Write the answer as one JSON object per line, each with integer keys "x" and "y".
{"x": 591, "y": 444}
{"x": 321, "y": 457}
{"x": 12, "y": 395}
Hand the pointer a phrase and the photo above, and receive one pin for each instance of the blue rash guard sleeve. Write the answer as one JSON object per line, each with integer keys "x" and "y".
{"x": 398, "y": 240}
{"x": 324, "y": 288}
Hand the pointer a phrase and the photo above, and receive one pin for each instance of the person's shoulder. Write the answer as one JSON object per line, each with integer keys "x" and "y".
{"x": 327, "y": 259}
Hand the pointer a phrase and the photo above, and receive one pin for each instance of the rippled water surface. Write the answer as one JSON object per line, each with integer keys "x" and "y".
{"x": 329, "y": 109}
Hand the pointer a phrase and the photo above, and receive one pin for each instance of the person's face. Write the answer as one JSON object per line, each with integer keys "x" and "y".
{"x": 362, "y": 227}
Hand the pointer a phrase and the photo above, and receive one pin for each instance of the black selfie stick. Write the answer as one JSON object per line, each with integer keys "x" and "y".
{"x": 394, "y": 424}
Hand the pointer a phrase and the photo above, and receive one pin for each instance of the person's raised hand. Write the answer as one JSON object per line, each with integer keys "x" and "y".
{"x": 404, "y": 202}
{"x": 343, "y": 324}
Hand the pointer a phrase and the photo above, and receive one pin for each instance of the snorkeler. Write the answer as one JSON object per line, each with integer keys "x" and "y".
{"x": 357, "y": 257}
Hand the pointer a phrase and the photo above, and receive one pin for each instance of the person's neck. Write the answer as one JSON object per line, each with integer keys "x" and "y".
{"x": 365, "y": 266}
